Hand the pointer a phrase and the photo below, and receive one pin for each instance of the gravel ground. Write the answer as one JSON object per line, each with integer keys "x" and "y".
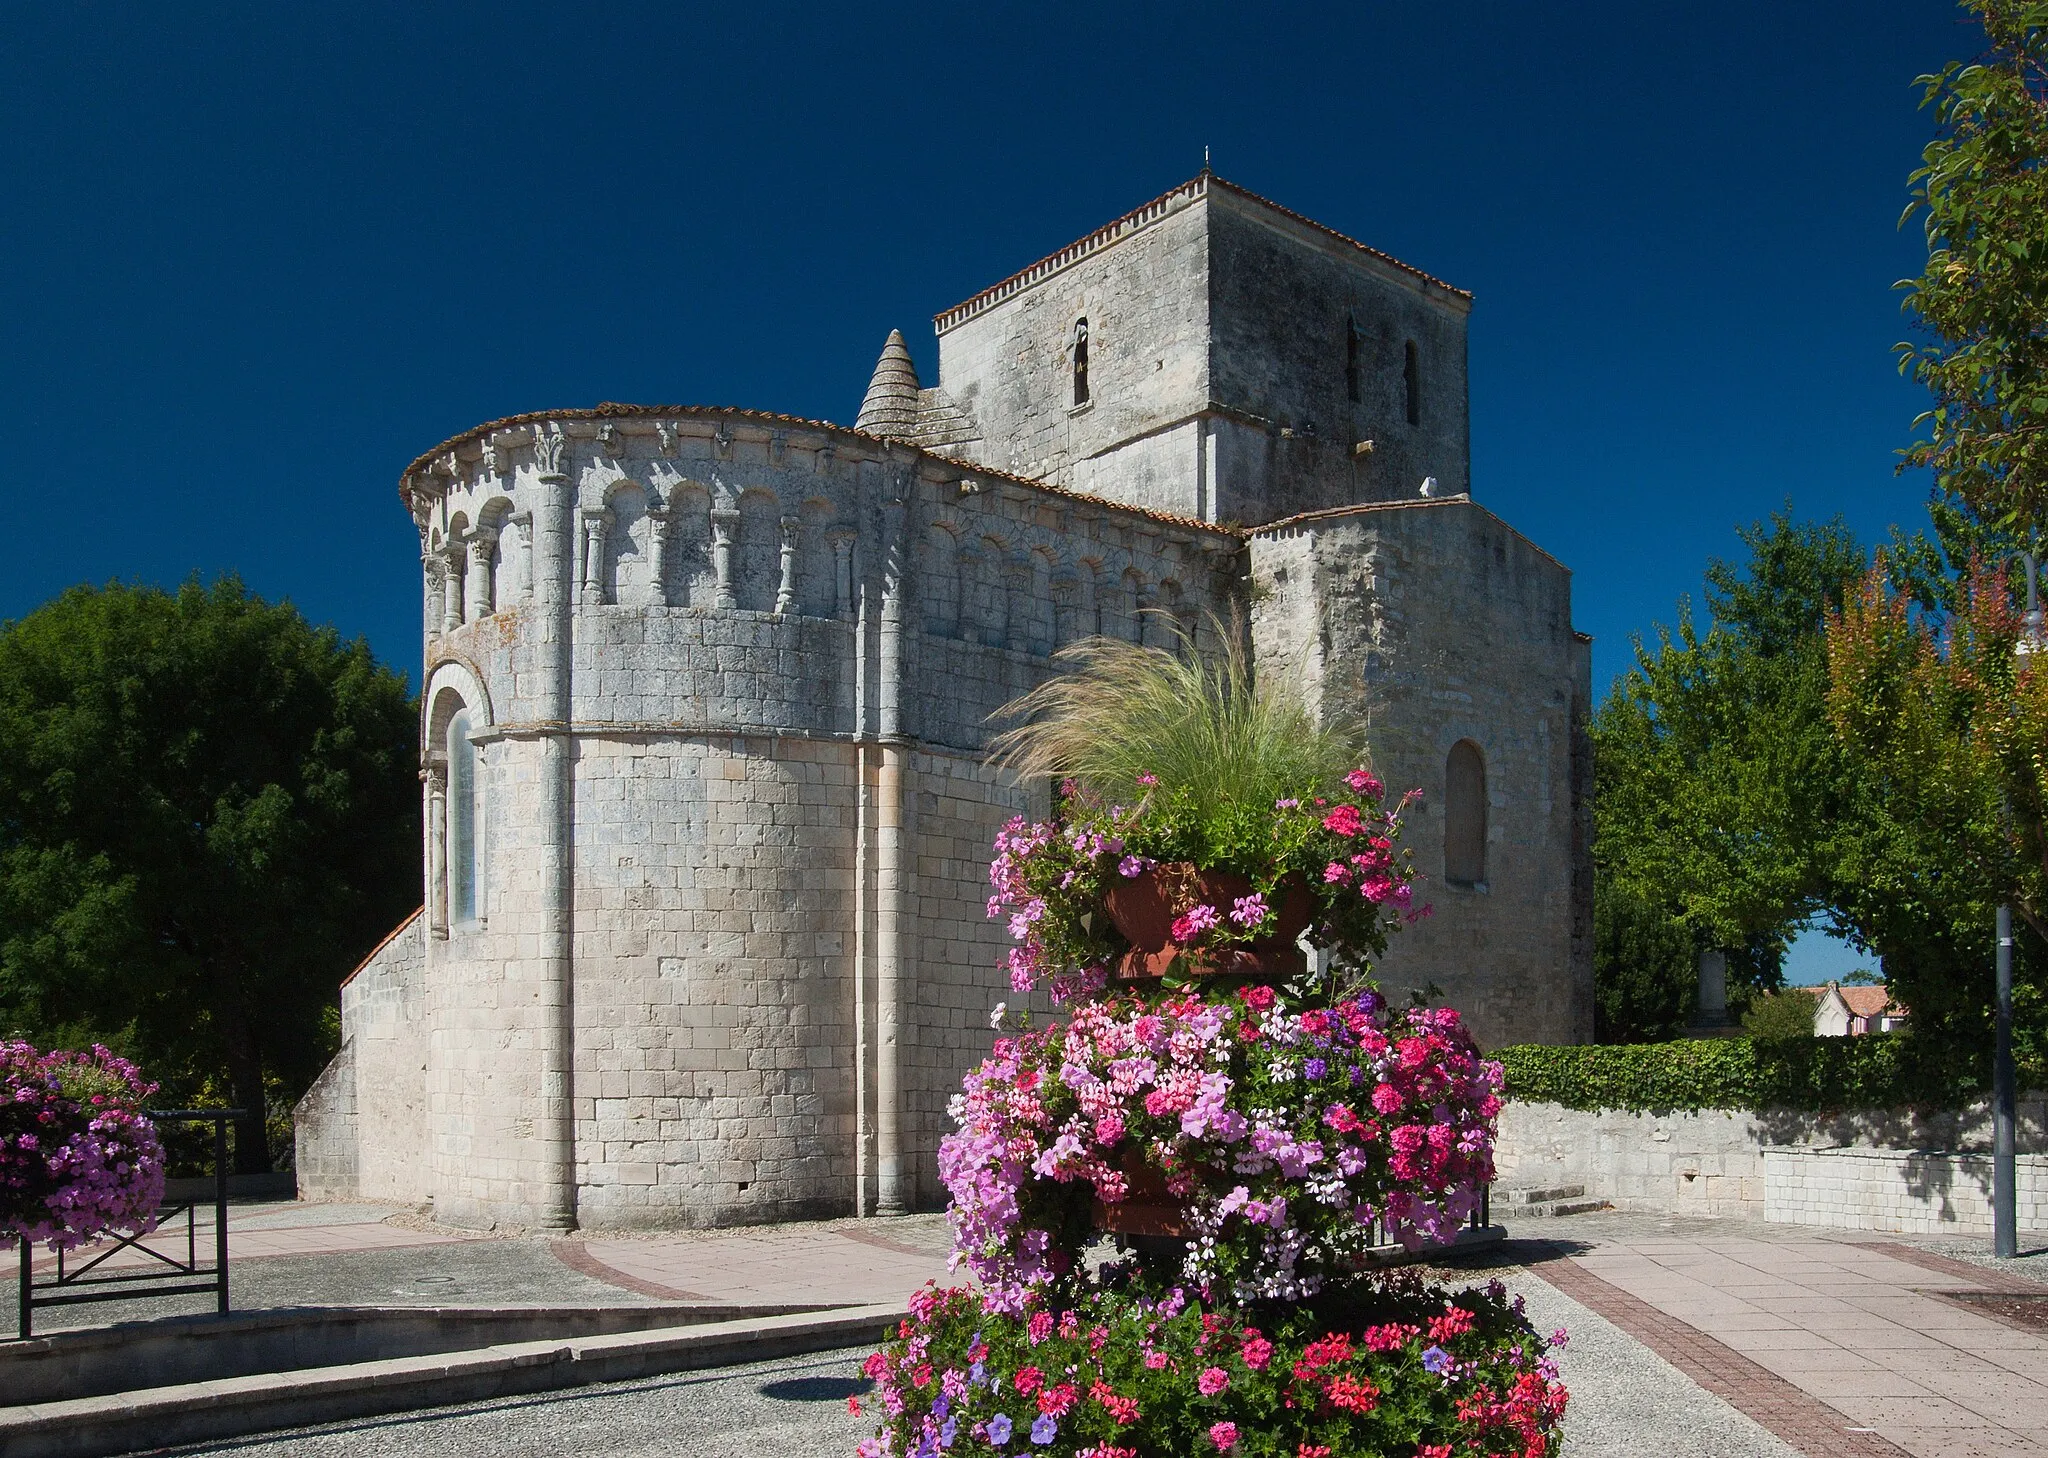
{"x": 793, "y": 1408}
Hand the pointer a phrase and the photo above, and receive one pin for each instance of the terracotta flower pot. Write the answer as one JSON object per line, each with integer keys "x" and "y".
{"x": 1144, "y": 908}
{"x": 1149, "y": 1208}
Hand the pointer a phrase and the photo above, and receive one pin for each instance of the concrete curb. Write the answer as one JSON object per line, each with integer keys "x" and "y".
{"x": 158, "y": 1417}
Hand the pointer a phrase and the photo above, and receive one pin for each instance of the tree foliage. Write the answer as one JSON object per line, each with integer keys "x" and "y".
{"x": 1719, "y": 785}
{"x": 208, "y": 809}
{"x": 1982, "y": 300}
{"x": 1951, "y": 726}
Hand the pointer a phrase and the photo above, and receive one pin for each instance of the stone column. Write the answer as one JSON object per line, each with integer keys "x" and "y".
{"x": 481, "y": 598}
{"x": 785, "y": 586}
{"x": 451, "y": 588}
{"x": 596, "y": 533}
{"x": 523, "y": 541}
{"x": 1016, "y": 591}
{"x": 724, "y": 520}
{"x": 435, "y": 778}
{"x": 893, "y": 970}
{"x": 431, "y": 592}
{"x": 664, "y": 556}
{"x": 554, "y": 548}
{"x": 842, "y": 539}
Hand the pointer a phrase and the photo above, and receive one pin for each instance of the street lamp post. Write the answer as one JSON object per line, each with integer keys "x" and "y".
{"x": 2005, "y": 1241}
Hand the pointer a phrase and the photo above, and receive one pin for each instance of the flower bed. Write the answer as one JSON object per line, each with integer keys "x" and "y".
{"x": 78, "y": 1157}
{"x": 1406, "y": 1368}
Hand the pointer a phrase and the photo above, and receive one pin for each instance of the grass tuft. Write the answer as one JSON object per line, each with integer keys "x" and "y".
{"x": 1201, "y": 723}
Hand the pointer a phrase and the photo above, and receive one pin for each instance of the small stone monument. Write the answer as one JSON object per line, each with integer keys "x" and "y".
{"x": 1710, "y": 1019}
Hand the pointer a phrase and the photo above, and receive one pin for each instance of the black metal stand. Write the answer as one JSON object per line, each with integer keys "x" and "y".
{"x": 168, "y": 1276}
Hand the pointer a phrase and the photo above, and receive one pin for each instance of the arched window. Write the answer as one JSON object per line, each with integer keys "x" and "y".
{"x": 464, "y": 844}
{"x": 1465, "y": 815}
{"x": 1411, "y": 377}
{"x": 1351, "y": 343}
{"x": 1080, "y": 361}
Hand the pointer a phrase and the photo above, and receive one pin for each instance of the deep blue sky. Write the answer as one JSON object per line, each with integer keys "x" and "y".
{"x": 255, "y": 257}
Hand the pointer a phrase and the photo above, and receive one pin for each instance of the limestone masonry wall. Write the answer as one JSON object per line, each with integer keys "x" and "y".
{"x": 1434, "y": 622}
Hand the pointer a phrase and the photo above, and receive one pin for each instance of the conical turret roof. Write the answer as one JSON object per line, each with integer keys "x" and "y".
{"x": 890, "y": 408}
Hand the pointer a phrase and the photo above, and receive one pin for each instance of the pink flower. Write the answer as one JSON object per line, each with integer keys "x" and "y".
{"x": 1148, "y": 780}
{"x": 1248, "y": 911}
{"x": 1224, "y": 1436}
{"x": 1336, "y": 871}
{"x": 1257, "y": 1353}
{"x": 1212, "y": 1381}
{"x": 1365, "y": 782}
{"x": 1386, "y": 1098}
{"x": 1343, "y": 821}
{"x": 1193, "y": 922}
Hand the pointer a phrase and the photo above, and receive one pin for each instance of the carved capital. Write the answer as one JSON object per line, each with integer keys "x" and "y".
{"x": 548, "y": 442}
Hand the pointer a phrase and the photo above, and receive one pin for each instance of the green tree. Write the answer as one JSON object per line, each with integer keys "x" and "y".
{"x": 1982, "y": 299}
{"x": 1720, "y": 788}
{"x": 208, "y": 809}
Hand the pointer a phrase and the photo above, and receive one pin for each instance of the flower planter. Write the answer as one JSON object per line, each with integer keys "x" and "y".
{"x": 1148, "y": 1208}
{"x": 1143, "y": 908}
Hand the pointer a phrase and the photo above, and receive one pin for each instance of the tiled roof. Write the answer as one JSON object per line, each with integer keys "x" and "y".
{"x": 612, "y": 410}
{"x": 1151, "y": 212}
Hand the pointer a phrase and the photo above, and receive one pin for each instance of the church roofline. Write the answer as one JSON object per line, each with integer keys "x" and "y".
{"x": 1417, "y": 503}
{"x": 1151, "y": 212}
{"x": 612, "y": 410}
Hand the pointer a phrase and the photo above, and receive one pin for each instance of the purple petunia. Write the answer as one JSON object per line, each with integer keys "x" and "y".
{"x": 1436, "y": 1361}
{"x": 1045, "y": 1429}
{"x": 999, "y": 1428}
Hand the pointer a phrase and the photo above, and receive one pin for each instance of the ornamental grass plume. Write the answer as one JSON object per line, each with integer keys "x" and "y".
{"x": 1125, "y": 718}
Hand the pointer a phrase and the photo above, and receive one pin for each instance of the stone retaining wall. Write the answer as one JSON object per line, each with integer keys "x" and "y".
{"x": 1869, "y": 1166}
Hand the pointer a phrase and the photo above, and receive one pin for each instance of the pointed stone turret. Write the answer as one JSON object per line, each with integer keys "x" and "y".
{"x": 890, "y": 408}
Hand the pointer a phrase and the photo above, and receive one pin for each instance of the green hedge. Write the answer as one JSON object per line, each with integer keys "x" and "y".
{"x": 1876, "y": 1071}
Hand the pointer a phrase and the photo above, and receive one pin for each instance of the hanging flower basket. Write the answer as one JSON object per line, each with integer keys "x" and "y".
{"x": 1148, "y": 1207}
{"x": 1146, "y": 907}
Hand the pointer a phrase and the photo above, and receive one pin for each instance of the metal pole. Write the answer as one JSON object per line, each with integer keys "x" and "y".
{"x": 27, "y": 1297}
{"x": 2004, "y": 1203}
{"x": 220, "y": 1206}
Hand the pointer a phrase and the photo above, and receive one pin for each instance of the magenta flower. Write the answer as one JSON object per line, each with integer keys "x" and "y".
{"x": 1224, "y": 1436}
{"x": 1193, "y": 922}
{"x": 1212, "y": 1381}
{"x": 1249, "y": 911}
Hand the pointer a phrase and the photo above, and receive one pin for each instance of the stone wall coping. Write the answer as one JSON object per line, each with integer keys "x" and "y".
{"x": 389, "y": 937}
{"x": 1330, "y": 515}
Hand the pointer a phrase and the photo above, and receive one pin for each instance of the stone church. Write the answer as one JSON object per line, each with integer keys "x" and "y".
{"x": 707, "y": 821}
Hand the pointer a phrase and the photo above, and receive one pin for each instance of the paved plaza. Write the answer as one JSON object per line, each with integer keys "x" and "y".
{"x": 1689, "y": 1338}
